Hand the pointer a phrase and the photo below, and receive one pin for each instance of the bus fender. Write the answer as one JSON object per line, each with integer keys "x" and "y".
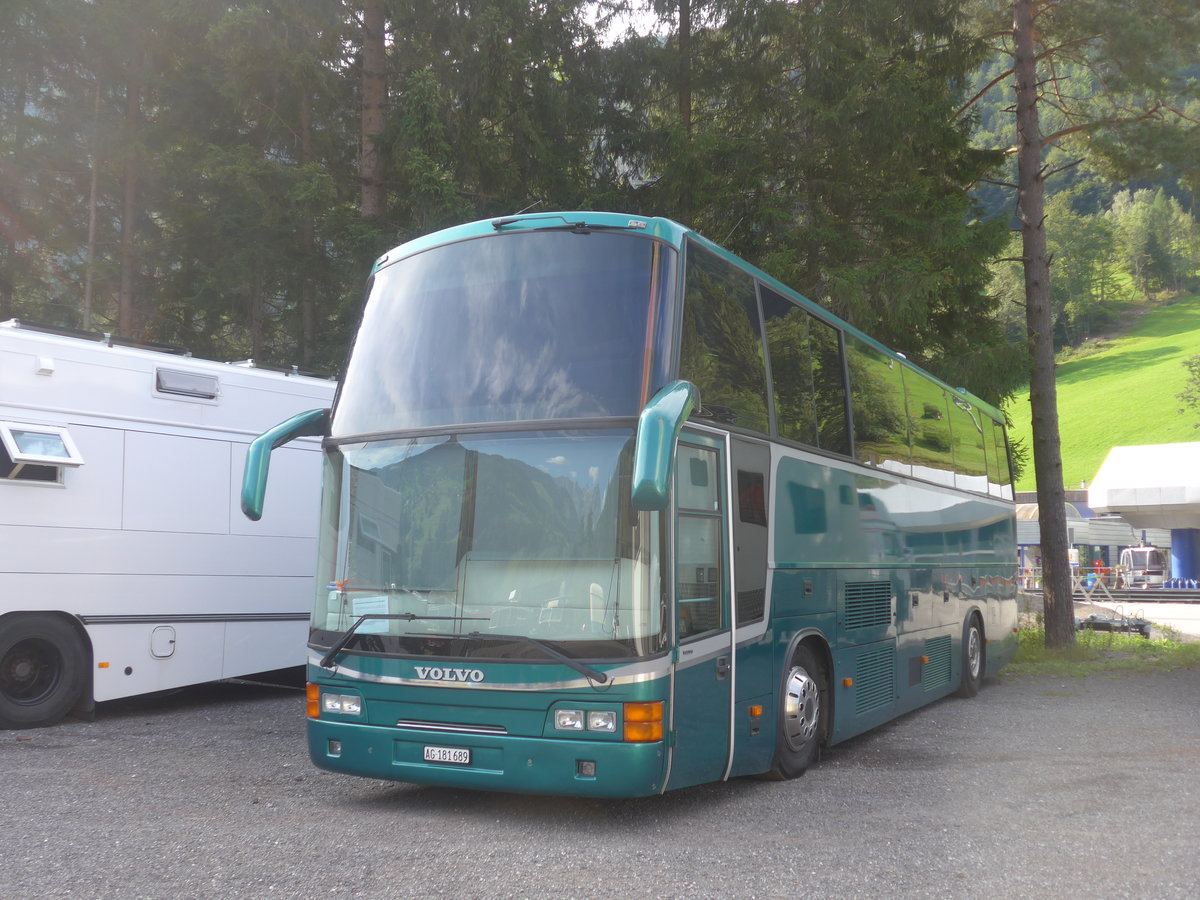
{"x": 32, "y": 638}
{"x": 817, "y": 640}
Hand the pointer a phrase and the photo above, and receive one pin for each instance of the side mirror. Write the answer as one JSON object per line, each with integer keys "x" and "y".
{"x": 654, "y": 450}
{"x": 314, "y": 423}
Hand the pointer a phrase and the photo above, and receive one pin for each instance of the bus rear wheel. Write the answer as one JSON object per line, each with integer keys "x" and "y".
{"x": 972, "y": 657}
{"x": 803, "y": 715}
{"x": 42, "y": 670}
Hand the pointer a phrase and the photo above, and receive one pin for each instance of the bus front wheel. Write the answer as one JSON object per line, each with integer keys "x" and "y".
{"x": 972, "y": 657}
{"x": 42, "y": 670}
{"x": 803, "y": 715}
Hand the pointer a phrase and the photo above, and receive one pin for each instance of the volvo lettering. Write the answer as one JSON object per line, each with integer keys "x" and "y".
{"x": 438, "y": 674}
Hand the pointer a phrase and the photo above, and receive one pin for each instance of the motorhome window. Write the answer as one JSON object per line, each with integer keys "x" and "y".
{"x": 35, "y": 452}
{"x": 187, "y": 384}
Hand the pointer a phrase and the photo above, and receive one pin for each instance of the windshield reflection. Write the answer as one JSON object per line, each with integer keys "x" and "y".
{"x": 525, "y": 535}
{"x": 526, "y": 326}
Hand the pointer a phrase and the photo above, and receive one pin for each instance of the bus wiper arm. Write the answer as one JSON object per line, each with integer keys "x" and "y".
{"x": 581, "y": 227}
{"x": 588, "y": 673}
{"x": 340, "y": 645}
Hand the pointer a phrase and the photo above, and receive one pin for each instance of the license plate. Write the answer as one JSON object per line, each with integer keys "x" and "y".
{"x": 459, "y": 756}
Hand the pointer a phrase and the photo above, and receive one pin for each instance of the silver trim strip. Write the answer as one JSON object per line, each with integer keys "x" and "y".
{"x": 731, "y": 587}
{"x": 193, "y": 618}
{"x": 636, "y": 673}
{"x": 418, "y": 725}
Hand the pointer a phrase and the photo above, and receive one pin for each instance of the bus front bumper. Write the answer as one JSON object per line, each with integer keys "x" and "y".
{"x": 589, "y": 768}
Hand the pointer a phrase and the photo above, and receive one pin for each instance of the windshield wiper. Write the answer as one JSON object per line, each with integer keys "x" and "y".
{"x": 581, "y": 227}
{"x": 340, "y": 645}
{"x": 588, "y": 673}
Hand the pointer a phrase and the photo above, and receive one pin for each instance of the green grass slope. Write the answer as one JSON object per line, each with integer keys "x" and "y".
{"x": 1124, "y": 394}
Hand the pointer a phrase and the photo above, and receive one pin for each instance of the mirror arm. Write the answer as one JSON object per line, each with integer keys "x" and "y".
{"x": 314, "y": 423}
{"x": 658, "y": 429}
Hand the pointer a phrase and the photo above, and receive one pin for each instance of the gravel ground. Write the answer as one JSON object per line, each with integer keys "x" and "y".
{"x": 1039, "y": 787}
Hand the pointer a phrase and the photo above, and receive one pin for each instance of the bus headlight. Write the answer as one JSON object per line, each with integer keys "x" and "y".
{"x": 601, "y": 720}
{"x": 568, "y": 719}
{"x": 341, "y": 704}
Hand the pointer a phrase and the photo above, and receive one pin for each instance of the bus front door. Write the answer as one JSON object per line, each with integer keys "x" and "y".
{"x": 703, "y": 670}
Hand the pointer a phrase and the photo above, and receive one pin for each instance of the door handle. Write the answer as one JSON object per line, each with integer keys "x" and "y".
{"x": 723, "y": 668}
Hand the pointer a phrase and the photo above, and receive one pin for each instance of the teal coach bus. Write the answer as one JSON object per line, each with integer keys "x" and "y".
{"x": 607, "y": 511}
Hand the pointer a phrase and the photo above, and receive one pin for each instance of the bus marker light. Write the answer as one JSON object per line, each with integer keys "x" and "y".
{"x": 925, "y": 660}
{"x": 756, "y": 711}
{"x": 847, "y": 682}
{"x": 102, "y": 665}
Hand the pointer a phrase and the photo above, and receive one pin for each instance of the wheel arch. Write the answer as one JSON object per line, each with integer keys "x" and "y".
{"x": 71, "y": 618}
{"x": 86, "y": 704}
{"x": 814, "y": 639}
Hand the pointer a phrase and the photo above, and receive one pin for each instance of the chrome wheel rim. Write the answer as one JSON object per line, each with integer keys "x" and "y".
{"x": 801, "y": 708}
{"x": 974, "y": 652}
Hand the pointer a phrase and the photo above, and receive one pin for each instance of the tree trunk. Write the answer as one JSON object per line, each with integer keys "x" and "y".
{"x": 126, "y": 322}
{"x": 685, "y": 65}
{"x": 308, "y": 241}
{"x": 1043, "y": 396}
{"x": 90, "y": 270}
{"x": 685, "y": 104}
{"x": 374, "y": 100}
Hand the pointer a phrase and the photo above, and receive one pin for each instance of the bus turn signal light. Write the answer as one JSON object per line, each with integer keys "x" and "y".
{"x": 313, "y": 693}
{"x": 644, "y": 722}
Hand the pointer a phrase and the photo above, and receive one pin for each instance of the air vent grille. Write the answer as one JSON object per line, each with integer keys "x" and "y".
{"x": 937, "y": 670}
{"x": 873, "y": 679}
{"x": 868, "y": 604}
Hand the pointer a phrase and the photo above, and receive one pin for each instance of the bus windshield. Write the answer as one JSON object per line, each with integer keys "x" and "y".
{"x": 528, "y": 326}
{"x": 446, "y": 542}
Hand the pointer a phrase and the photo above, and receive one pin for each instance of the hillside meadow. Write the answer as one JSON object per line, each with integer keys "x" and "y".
{"x": 1120, "y": 392}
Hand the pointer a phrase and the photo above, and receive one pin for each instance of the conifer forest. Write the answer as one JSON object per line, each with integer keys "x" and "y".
{"x": 220, "y": 174}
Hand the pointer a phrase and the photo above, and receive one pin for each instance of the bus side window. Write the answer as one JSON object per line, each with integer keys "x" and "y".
{"x": 1001, "y": 477}
{"x": 881, "y": 432}
{"x": 929, "y": 419}
{"x": 721, "y": 350}
{"x": 806, "y": 373}
{"x": 699, "y": 576}
{"x": 699, "y": 551}
{"x": 970, "y": 461}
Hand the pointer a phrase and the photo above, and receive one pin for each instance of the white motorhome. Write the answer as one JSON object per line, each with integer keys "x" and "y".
{"x": 126, "y": 565}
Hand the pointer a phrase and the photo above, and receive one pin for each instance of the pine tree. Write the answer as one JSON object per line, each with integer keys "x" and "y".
{"x": 1140, "y": 62}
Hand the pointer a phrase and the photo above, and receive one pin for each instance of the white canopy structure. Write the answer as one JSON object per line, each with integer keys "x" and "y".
{"x": 1155, "y": 486}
